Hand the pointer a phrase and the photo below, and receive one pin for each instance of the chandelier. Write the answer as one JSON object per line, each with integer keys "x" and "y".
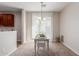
{"x": 41, "y": 18}
{"x": 42, "y": 5}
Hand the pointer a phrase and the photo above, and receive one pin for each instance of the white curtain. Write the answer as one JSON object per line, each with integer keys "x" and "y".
{"x": 45, "y": 26}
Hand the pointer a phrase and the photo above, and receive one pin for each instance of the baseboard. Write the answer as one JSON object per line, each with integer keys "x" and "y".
{"x": 71, "y": 49}
{"x": 11, "y": 52}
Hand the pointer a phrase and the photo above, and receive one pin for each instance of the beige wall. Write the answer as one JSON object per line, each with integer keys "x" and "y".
{"x": 69, "y": 26}
{"x": 55, "y": 24}
{"x": 18, "y": 25}
{"x": 24, "y": 26}
{"x": 29, "y": 26}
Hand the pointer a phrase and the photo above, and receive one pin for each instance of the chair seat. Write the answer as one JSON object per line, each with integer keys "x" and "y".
{"x": 41, "y": 44}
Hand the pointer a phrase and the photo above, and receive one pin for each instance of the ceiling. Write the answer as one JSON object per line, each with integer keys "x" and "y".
{"x": 7, "y": 8}
{"x": 32, "y": 6}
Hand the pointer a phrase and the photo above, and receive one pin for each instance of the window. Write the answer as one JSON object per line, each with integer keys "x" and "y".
{"x": 43, "y": 26}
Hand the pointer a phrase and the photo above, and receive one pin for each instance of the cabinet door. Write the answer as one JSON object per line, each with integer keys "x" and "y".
{"x": 5, "y": 22}
{"x": 10, "y": 19}
{"x": 1, "y": 19}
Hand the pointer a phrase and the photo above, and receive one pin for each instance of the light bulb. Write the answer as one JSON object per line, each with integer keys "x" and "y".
{"x": 44, "y": 19}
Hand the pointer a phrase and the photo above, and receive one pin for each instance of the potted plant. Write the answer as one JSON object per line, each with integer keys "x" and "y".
{"x": 41, "y": 36}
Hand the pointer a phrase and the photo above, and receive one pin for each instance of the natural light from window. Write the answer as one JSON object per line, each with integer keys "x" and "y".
{"x": 41, "y": 26}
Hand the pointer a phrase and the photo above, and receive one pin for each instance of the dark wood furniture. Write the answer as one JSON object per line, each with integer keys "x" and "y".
{"x": 6, "y": 20}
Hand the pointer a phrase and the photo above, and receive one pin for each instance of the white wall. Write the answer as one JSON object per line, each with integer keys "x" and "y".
{"x": 7, "y": 42}
{"x": 29, "y": 26}
{"x": 17, "y": 23}
{"x": 69, "y": 26}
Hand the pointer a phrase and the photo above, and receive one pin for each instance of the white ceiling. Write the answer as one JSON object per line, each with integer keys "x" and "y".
{"x": 7, "y": 8}
{"x": 34, "y": 6}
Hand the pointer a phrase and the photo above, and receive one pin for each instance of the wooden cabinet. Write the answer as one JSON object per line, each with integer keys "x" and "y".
{"x": 7, "y": 20}
{"x": 1, "y": 22}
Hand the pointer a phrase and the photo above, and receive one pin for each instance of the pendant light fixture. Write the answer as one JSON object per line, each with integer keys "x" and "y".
{"x": 42, "y": 5}
{"x": 41, "y": 10}
{"x": 41, "y": 19}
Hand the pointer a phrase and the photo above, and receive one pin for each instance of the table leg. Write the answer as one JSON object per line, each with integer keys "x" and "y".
{"x": 35, "y": 48}
{"x": 48, "y": 47}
